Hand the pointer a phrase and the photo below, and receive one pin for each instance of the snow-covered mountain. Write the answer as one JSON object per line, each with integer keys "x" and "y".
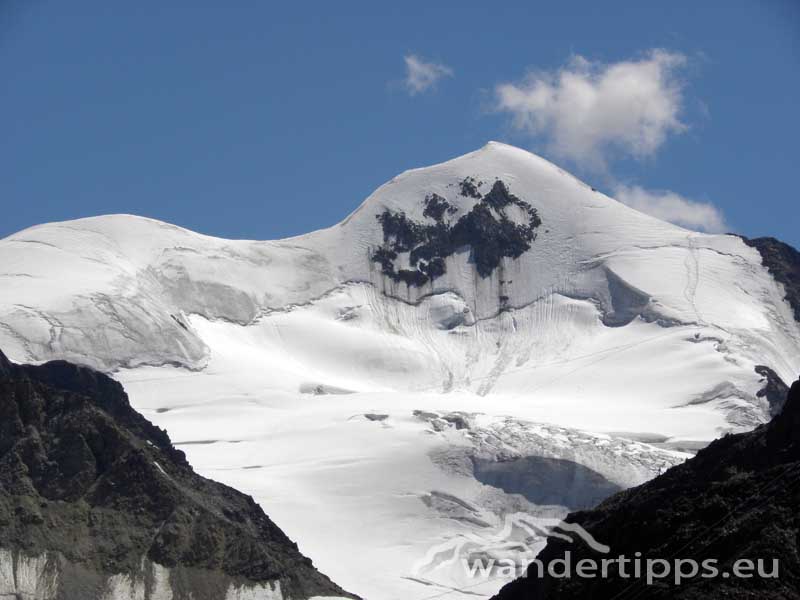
{"x": 380, "y": 386}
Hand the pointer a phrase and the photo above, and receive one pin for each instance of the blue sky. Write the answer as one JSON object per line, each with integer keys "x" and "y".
{"x": 264, "y": 119}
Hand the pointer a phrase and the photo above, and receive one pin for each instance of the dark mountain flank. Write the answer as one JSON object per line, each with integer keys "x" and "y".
{"x": 737, "y": 499}
{"x": 96, "y": 502}
{"x": 783, "y": 263}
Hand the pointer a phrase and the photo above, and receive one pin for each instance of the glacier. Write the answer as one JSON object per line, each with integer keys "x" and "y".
{"x": 355, "y": 406}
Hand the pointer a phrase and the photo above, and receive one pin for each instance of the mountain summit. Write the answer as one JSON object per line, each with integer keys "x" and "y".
{"x": 498, "y": 236}
{"x": 489, "y": 308}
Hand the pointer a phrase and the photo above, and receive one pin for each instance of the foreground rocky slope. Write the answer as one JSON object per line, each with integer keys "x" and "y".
{"x": 95, "y": 502}
{"x": 736, "y": 499}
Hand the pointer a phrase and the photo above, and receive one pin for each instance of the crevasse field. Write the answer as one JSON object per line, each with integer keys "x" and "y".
{"x": 381, "y": 424}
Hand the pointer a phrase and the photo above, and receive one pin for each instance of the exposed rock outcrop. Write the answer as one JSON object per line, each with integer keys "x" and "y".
{"x": 774, "y": 390}
{"x": 783, "y": 263}
{"x": 95, "y": 502}
{"x": 487, "y": 230}
{"x": 737, "y": 499}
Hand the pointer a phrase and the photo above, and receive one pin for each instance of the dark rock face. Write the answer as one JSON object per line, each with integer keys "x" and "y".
{"x": 486, "y": 230}
{"x": 774, "y": 389}
{"x": 468, "y": 187}
{"x": 783, "y": 262}
{"x": 436, "y": 207}
{"x": 737, "y": 499}
{"x": 87, "y": 479}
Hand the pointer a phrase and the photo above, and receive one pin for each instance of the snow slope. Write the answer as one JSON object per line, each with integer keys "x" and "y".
{"x": 613, "y": 341}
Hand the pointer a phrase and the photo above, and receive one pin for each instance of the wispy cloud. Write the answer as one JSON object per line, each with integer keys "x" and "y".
{"x": 587, "y": 110}
{"x": 421, "y": 75}
{"x": 673, "y": 207}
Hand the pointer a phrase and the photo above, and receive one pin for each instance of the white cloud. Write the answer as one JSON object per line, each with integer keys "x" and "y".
{"x": 422, "y": 76}
{"x": 587, "y": 109}
{"x": 673, "y": 207}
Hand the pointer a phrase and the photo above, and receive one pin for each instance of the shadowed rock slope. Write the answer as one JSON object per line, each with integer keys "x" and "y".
{"x": 95, "y": 502}
{"x": 738, "y": 498}
{"x": 783, "y": 263}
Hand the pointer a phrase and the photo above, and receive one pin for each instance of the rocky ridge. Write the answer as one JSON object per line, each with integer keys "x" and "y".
{"x": 737, "y": 499}
{"x": 95, "y": 502}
